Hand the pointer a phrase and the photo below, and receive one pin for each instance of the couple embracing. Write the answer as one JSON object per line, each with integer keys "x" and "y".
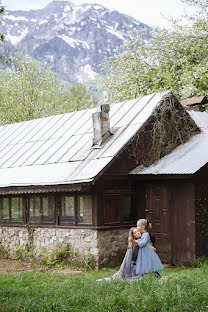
{"x": 140, "y": 257}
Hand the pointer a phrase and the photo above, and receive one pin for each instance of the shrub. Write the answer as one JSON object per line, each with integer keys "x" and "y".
{"x": 20, "y": 252}
{"x": 25, "y": 253}
{"x": 199, "y": 262}
{"x": 3, "y": 252}
{"x": 62, "y": 256}
{"x": 59, "y": 255}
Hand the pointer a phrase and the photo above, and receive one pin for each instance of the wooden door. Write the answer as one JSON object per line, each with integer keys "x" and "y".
{"x": 157, "y": 202}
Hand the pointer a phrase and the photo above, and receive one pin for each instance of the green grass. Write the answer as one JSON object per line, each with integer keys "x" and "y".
{"x": 181, "y": 290}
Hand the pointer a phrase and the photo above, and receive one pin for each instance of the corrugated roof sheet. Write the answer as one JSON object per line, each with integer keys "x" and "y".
{"x": 201, "y": 119}
{"x": 58, "y": 149}
{"x": 194, "y": 100}
{"x": 188, "y": 158}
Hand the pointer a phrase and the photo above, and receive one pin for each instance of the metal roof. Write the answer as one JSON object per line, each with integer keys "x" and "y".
{"x": 194, "y": 100}
{"x": 58, "y": 149}
{"x": 188, "y": 158}
{"x": 201, "y": 119}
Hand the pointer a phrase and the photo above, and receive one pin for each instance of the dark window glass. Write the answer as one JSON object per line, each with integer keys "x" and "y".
{"x": 128, "y": 206}
{"x": 119, "y": 208}
{"x": 16, "y": 209}
{"x": 85, "y": 209}
{"x": 48, "y": 208}
{"x": 111, "y": 209}
{"x": 4, "y": 209}
{"x": 34, "y": 209}
{"x": 68, "y": 211}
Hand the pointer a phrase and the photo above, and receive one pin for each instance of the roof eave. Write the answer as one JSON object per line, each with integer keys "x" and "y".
{"x": 148, "y": 177}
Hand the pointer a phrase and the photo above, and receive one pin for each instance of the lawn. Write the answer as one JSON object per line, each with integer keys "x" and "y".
{"x": 180, "y": 290}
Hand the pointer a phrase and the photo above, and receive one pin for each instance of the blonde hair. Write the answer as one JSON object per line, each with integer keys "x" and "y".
{"x": 131, "y": 241}
{"x": 145, "y": 224}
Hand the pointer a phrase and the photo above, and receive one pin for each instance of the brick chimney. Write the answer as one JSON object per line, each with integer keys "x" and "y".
{"x": 101, "y": 125}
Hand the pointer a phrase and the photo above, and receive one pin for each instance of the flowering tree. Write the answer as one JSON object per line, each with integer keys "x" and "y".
{"x": 29, "y": 91}
{"x": 1, "y": 12}
{"x": 175, "y": 59}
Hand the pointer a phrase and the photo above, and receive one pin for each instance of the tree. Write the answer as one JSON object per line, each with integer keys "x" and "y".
{"x": 175, "y": 59}
{"x": 29, "y": 90}
{"x": 80, "y": 98}
{"x": 1, "y": 12}
{"x": 201, "y": 4}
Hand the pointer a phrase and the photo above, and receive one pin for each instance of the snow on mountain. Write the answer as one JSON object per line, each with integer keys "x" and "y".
{"x": 72, "y": 39}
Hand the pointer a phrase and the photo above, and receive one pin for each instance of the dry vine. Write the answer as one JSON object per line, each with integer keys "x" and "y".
{"x": 168, "y": 127}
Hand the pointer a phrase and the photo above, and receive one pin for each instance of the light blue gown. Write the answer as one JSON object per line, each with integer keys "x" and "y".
{"x": 147, "y": 260}
{"x": 127, "y": 269}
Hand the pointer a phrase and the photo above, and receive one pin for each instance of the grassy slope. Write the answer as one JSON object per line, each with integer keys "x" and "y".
{"x": 182, "y": 290}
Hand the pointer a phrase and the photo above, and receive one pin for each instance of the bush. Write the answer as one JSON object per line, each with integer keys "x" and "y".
{"x": 59, "y": 255}
{"x": 3, "y": 252}
{"x": 62, "y": 256}
{"x": 199, "y": 262}
{"x": 20, "y": 253}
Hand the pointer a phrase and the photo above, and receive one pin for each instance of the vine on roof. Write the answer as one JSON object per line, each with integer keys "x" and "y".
{"x": 168, "y": 127}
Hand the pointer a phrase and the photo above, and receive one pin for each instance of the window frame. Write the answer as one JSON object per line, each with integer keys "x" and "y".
{"x": 10, "y": 221}
{"x": 57, "y": 198}
{"x": 10, "y": 208}
{"x": 60, "y": 216}
{"x": 80, "y": 223}
{"x": 27, "y": 209}
{"x": 98, "y": 209}
{"x": 9, "y": 211}
{"x": 76, "y": 223}
{"x": 120, "y": 221}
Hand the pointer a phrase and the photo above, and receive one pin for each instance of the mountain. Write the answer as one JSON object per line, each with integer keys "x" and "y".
{"x": 72, "y": 39}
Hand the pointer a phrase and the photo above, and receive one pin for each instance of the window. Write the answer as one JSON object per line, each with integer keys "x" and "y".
{"x": 16, "y": 209}
{"x": 76, "y": 209}
{"x": 42, "y": 209}
{"x": 4, "y": 209}
{"x": 48, "y": 208}
{"x": 84, "y": 209}
{"x": 128, "y": 207}
{"x": 11, "y": 209}
{"x": 68, "y": 209}
{"x": 111, "y": 209}
{"x": 34, "y": 209}
{"x": 119, "y": 209}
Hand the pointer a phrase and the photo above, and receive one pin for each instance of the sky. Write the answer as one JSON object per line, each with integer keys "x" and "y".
{"x": 151, "y": 12}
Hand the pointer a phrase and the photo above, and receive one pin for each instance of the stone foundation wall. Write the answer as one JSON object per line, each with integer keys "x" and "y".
{"x": 106, "y": 247}
{"x": 112, "y": 245}
{"x": 13, "y": 237}
{"x": 80, "y": 241}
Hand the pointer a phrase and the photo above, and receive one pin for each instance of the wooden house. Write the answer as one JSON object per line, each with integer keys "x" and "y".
{"x": 176, "y": 197}
{"x": 84, "y": 178}
{"x": 195, "y": 103}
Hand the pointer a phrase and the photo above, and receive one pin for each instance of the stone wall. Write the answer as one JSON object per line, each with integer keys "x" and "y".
{"x": 112, "y": 245}
{"x": 106, "y": 247}
{"x": 80, "y": 241}
{"x": 13, "y": 237}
